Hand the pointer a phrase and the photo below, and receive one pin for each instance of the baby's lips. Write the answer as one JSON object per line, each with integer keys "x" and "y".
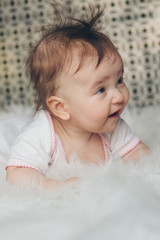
{"x": 115, "y": 114}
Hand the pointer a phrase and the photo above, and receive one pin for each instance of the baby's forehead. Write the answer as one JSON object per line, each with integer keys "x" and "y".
{"x": 79, "y": 56}
{"x": 78, "y": 65}
{"x": 78, "y": 60}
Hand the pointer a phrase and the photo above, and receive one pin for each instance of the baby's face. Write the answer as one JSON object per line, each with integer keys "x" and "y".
{"x": 95, "y": 96}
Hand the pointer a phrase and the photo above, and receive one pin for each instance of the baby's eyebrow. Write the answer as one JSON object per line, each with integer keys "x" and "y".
{"x": 100, "y": 82}
{"x": 105, "y": 78}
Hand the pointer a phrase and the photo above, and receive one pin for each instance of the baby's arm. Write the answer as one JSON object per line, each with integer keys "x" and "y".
{"x": 134, "y": 155}
{"x": 30, "y": 177}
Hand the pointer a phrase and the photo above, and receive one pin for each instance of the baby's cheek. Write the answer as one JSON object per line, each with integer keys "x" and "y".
{"x": 126, "y": 95}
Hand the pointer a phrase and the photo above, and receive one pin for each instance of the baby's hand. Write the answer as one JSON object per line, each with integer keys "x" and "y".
{"x": 72, "y": 179}
{"x": 51, "y": 184}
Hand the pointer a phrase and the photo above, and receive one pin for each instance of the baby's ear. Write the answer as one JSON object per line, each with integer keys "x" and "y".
{"x": 58, "y": 107}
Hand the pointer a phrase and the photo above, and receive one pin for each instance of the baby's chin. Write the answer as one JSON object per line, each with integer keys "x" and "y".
{"x": 107, "y": 130}
{"x": 112, "y": 127}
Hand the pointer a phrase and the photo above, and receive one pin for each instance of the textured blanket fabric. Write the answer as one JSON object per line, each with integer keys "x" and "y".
{"x": 113, "y": 201}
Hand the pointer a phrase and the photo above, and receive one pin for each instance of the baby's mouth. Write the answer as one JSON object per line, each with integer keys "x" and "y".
{"x": 114, "y": 115}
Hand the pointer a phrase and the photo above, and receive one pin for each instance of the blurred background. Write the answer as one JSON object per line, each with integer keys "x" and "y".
{"x": 133, "y": 26}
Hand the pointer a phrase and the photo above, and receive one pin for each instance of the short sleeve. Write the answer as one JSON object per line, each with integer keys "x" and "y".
{"x": 122, "y": 140}
{"x": 33, "y": 147}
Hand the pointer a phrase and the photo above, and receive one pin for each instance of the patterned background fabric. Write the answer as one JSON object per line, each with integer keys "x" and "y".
{"x": 133, "y": 25}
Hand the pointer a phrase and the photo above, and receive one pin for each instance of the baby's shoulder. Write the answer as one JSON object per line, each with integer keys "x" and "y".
{"x": 40, "y": 122}
{"x": 39, "y": 131}
{"x": 34, "y": 146}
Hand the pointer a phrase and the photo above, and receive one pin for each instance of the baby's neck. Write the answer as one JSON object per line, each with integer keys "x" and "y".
{"x": 87, "y": 145}
{"x": 67, "y": 132}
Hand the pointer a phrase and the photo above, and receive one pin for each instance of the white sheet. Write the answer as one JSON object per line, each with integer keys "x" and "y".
{"x": 117, "y": 201}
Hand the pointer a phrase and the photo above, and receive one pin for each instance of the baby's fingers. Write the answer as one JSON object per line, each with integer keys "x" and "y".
{"x": 73, "y": 179}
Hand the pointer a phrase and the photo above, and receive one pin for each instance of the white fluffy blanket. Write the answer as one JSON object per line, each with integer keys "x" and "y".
{"x": 112, "y": 202}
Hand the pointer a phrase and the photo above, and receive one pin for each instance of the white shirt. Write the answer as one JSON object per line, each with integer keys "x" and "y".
{"x": 38, "y": 146}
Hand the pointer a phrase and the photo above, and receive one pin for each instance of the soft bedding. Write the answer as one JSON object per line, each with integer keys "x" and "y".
{"x": 112, "y": 201}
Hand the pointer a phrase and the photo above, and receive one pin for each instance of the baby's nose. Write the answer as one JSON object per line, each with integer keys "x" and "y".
{"x": 117, "y": 97}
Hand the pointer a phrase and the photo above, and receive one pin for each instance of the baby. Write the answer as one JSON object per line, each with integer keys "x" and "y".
{"x": 78, "y": 74}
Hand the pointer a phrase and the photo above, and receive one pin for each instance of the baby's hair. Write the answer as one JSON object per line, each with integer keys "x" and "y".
{"x": 55, "y": 49}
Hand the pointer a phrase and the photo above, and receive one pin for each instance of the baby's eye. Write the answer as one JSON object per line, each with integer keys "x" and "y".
{"x": 101, "y": 90}
{"x": 120, "y": 81}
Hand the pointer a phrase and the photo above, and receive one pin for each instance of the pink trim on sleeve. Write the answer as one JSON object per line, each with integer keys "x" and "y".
{"x": 130, "y": 146}
{"x": 21, "y": 167}
{"x": 21, "y": 163}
